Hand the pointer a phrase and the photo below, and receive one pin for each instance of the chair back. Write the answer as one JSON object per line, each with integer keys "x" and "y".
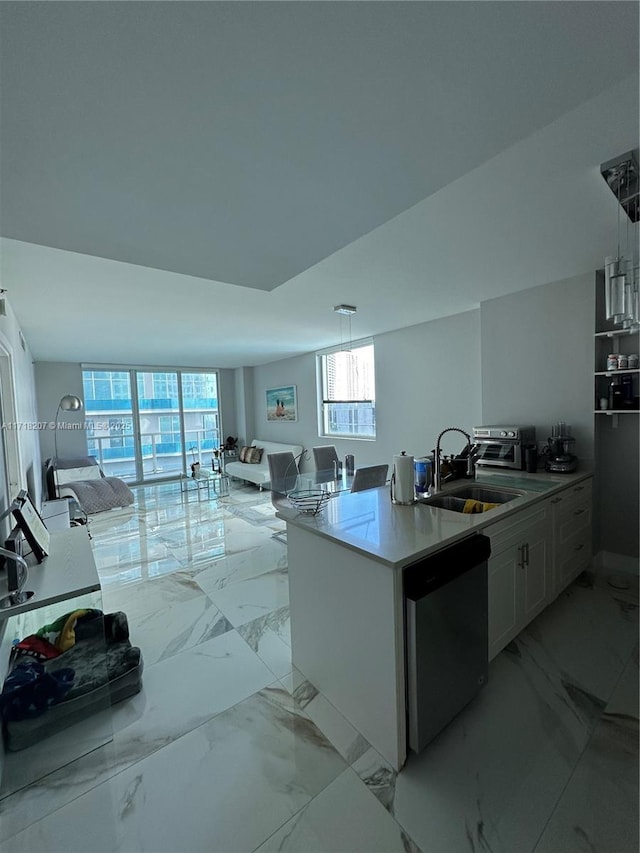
{"x": 369, "y": 478}
{"x": 283, "y": 471}
{"x": 324, "y": 457}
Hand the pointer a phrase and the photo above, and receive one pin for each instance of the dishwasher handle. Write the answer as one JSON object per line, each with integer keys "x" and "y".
{"x": 429, "y": 574}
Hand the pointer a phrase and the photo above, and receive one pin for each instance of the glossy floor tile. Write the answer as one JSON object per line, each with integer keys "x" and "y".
{"x": 229, "y": 748}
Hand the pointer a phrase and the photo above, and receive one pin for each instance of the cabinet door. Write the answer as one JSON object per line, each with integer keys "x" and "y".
{"x": 520, "y": 574}
{"x": 536, "y": 574}
{"x": 502, "y": 604}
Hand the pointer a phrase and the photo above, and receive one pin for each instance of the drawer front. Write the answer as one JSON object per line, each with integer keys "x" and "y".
{"x": 571, "y": 521}
{"x": 574, "y": 558}
{"x": 573, "y": 496}
{"x": 505, "y": 534}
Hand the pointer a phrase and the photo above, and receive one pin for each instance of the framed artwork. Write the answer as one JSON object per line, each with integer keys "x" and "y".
{"x": 282, "y": 404}
{"x": 31, "y": 524}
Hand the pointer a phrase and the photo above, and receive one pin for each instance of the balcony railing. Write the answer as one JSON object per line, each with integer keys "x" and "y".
{"x": 160, "y": 458}
{"x": 150, "y": 404}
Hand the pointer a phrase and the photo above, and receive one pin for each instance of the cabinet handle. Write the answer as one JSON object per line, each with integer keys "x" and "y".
{"x": 521, "y": 556}
{"x": 578, "y": 488}
{"x": 579, "y": 511}
{"x": 555, "y": 500}
{"x": 578, "y": 547}
{"x": 526, "y": 553}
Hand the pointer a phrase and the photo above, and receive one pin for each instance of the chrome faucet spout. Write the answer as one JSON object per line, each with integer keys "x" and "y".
{"x": 15, "y": 578}
{"x": 437, "y": 478}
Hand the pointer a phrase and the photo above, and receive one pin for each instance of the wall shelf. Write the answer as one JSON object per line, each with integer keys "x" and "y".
{"x": 615, "y": 333}
{"x": 617, "y": 341}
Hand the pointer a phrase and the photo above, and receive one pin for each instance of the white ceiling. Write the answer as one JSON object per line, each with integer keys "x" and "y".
{"x": 197, "y": 184}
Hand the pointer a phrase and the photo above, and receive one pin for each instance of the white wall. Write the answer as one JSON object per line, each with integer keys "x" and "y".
{"x": 537, "y": 359}
{"x": 427, "y": 378}
{"x": 19, "y": 404}
{"x": 245, "y": 409}
{"x": 228, "y": 403}
{"x": 54, "y": 379}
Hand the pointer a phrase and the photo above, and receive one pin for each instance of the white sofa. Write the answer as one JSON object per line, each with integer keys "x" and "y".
{"x": 258, "y": 472}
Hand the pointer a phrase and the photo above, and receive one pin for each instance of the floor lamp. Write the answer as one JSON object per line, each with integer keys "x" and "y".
{"x": 68, "y": 403}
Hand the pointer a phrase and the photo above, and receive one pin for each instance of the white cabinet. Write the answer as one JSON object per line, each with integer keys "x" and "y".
{"x": 55, "y": 514}
{"x": 520, "y": 573}
{"x": 534, "y": 555}
{"x": 571, "y": 524}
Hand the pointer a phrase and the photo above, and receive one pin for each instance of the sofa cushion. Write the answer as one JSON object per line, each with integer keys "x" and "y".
{"x": 259, "y": 473}
{"x": 253, "y": 455}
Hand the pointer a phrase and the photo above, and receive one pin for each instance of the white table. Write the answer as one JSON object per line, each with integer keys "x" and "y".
{"x": 67, "y": 572}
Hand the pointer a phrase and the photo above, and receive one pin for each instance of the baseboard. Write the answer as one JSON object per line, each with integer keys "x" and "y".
{"x": 609, "y": 560}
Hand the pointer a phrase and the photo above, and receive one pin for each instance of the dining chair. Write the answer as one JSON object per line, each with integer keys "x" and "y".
{"x": 324, "y": 457}
{"x": 369, "y": 478}
{"x": 283, "y": 472}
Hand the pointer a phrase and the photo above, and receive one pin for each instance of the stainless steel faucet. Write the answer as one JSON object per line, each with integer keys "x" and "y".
{"x": 437, "y": 484}
{"x": 16, "y": 579}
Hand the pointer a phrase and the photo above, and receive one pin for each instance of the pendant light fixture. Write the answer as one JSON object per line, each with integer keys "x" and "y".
{"x": 622, "y": 279}
{"x": 345, "y": 312}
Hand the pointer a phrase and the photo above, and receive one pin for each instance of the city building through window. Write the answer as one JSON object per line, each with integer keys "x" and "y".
{"x": 346, "y": 379}
{"x": 146, "y": 425}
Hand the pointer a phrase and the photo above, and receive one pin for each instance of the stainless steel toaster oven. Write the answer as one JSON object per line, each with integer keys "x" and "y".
{"x": 502, "y": 446}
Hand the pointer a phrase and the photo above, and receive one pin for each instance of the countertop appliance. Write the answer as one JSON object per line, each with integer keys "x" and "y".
{"x": 502, "y": 446}
{"x": 446, "y": 620}
{"x": 559, "y": 458}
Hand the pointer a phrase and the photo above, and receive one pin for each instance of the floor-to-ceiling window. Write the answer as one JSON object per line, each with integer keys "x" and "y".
{"x": 148, "y": 425}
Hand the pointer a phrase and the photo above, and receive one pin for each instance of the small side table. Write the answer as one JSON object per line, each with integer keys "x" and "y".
{"x": 206, "y": 478}
{"x": 228, "y": 456}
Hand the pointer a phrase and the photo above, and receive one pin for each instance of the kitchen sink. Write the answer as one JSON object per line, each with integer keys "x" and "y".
{"x": 456, "y": 499}
{"x": 485, "y": 494}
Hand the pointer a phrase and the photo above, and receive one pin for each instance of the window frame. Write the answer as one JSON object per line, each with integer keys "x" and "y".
{"x": 322, "y": 401}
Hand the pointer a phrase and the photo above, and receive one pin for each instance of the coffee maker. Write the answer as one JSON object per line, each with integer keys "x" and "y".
{"x": 559, "y": 459}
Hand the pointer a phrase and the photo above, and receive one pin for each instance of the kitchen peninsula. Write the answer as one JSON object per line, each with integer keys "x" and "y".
{"x": 346, "y": 584}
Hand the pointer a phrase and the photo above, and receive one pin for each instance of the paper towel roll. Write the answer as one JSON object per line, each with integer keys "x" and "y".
{"x": 403, "y": 490}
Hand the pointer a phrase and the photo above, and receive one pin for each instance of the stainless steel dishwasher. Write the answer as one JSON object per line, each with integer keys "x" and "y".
{"x": 446, "y": 635}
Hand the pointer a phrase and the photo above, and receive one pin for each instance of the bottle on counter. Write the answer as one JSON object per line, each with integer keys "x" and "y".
{"x": 615, "y": 395}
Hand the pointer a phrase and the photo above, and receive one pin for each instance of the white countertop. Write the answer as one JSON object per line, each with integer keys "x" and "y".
{"x": 369, "y": 523}
{"x": 69, "y": 571}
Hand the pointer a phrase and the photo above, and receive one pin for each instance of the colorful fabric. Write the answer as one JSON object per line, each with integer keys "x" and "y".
{"x": 62, "y": 632}
{"x": 37, "y": 648}
{"x": 471, "y": 507}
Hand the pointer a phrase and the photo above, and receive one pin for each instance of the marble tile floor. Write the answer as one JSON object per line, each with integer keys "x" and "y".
{"x": 229, "y": 748}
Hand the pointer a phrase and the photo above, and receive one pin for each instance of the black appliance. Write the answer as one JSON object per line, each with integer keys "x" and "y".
{"x": 560, "y": 460}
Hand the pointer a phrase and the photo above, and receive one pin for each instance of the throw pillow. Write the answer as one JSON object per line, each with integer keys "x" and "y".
{"x": 254, "y": 455}
{"x": 73, "y": 475}
{"x": 243, "y": 453}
